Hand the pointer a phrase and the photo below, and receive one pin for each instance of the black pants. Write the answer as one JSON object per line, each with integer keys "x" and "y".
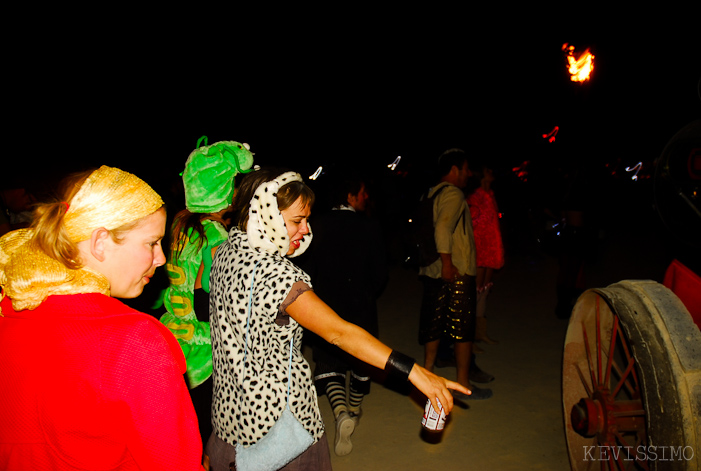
{"x": 202, "y": 400}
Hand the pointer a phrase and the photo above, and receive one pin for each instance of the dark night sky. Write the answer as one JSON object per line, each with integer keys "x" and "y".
{"x": 361, "y": 94}
{"x": 346, "y": 86}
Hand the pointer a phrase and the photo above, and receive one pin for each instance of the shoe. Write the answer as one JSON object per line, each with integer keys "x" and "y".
{"x": 345, "y": 425}
{"x": 478, "y": 394}
{"x": 477, "y": 375}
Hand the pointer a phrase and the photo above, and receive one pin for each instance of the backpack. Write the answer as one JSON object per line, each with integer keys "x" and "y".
{"x": 423, "y": 240}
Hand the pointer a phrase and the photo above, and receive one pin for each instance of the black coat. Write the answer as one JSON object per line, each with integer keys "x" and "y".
{"x": 346, "y": 261}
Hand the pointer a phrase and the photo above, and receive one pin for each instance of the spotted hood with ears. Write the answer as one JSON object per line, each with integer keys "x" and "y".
{"x": 266, "y": 226}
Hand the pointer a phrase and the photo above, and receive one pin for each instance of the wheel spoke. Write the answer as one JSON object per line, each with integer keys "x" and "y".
{"x": 623, "y": 444}
{"x": 629, "y": 357}
{"x": 622, "y": 441}
{"x": 584, "y": 381}
{"x": 612, "y": 463}
{"x": 625, "y": 375}
{"x": 629, "y": 413}
{"x": 631, "y": 388}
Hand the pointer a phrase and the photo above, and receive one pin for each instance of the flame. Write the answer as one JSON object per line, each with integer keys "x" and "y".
{"x": 579, "y": 67}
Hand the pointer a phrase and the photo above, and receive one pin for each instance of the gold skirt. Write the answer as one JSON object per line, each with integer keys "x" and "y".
{"x": 448, "y": 309}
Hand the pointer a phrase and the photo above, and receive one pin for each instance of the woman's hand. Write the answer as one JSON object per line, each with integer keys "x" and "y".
{"x": 435, "y": 387}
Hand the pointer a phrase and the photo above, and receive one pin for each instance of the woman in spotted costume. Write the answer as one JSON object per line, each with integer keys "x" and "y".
{"x": 271, "y": 214}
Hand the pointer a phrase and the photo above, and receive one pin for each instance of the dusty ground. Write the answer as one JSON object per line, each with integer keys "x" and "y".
{"x": 521, "y": 427}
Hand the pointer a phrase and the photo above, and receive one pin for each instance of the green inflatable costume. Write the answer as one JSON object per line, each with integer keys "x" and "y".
{"x": 209, "y": 187}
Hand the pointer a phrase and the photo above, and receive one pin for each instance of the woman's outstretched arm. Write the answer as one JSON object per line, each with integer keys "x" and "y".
{"x": 314, "y": 314}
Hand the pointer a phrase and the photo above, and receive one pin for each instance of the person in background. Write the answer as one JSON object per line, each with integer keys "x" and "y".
{"x": 260, "y": 304}
{"x": 197, "y": 231}
{"x": 359, "y": 268}
{"x": 449, "y": 300}
{"x": 89, "y": 383}
{"x": 489, "y": 248}
{"x": 577, "y": 241}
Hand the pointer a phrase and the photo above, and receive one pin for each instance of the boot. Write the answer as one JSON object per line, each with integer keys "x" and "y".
{"x": 481, "y": 332}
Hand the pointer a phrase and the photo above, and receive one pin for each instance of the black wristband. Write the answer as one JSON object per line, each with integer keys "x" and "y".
{"x": 399, "y": 366}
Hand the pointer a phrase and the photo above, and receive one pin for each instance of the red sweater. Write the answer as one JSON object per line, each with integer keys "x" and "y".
{"x": 89, "y": 383}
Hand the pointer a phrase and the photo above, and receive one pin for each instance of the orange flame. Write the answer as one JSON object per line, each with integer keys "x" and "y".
{"x": 579, "y": 67}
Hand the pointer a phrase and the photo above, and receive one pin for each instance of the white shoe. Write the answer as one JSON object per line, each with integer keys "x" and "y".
{"x": 345, "y": 425}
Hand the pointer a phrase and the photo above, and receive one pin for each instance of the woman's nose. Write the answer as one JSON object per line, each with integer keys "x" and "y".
{"x": 159, "y": 258}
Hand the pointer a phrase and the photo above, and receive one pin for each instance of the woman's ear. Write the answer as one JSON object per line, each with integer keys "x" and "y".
{"x": 99, "y": 239}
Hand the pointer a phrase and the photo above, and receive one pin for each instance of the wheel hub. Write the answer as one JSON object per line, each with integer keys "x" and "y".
{"x": 602, "y": 416}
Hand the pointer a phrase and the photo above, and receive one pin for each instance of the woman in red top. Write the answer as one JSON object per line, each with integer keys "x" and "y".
{"x": 488, "y": 244}
{"x": 89, "y": 383}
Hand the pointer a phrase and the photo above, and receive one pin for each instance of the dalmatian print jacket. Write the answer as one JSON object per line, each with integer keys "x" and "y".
{"x": 250, "y": 396}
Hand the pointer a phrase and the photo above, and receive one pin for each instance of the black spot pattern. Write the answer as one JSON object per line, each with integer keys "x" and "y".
{"x": 250, "y": 397}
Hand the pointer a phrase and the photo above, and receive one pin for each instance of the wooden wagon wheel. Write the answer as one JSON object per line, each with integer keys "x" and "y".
{"x": 632, "y": 381}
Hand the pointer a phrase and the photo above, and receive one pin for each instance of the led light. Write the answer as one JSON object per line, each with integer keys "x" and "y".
{"x": 316, "y": 174}
{"x": 394, "y": 164}
{"x": 638, "y": 166}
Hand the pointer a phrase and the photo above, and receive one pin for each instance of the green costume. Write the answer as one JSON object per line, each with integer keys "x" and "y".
{"x": 209, "y": 187}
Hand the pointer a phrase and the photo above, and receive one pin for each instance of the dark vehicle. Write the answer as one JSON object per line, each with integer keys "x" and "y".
{"x": 631, "y": 378}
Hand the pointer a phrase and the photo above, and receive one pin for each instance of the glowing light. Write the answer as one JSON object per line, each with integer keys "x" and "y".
{"x": 316, "y": 174}
{"x": 522, "y": 171}
{"x": 551, "y": 135}
{"x": 394, "y": 164}
{"x": 580, "y": 67}
{"x": 638, "y": 166}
